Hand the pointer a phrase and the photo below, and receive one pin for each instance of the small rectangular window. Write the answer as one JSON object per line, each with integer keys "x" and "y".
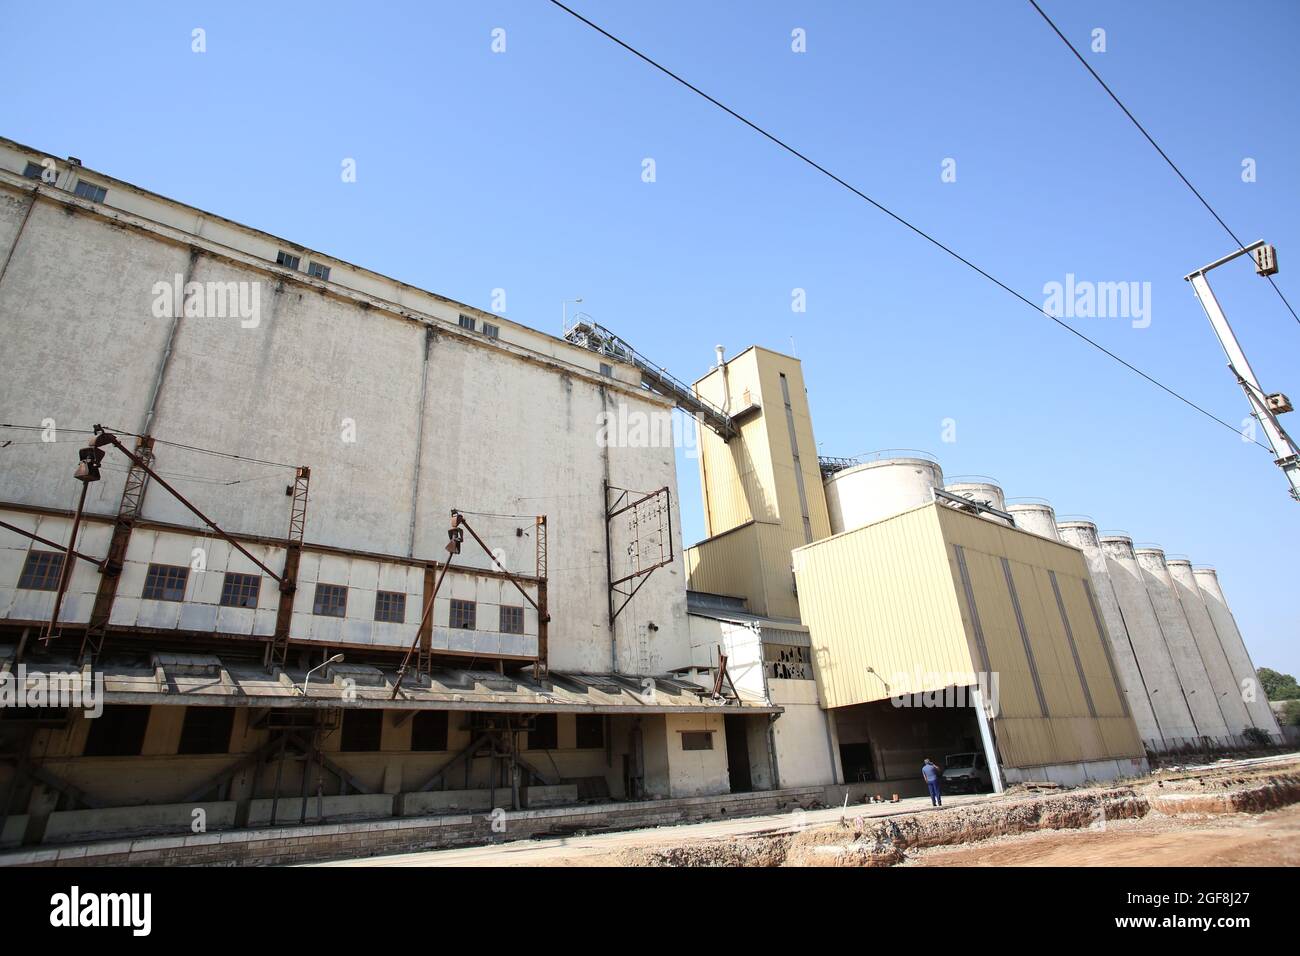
{"x": 462, "y": 614}
{"x": 41, "y": 571}
{"x": 591, "y": 731}
{"x": 697, "y": 740}
{"x": 90, "y": 191}
{"x": 331, "y": 600}
{"x": 165, "y": 582}
{"x": 33, "y": 170}
{"x": 206, "y": 730}
{"x": 283, "y": 258}
{"x": 606, "y": 370}
{"x": 362, "y": 730}
{"x": 390, "y": 606}
{"x": 512, "y": 620}
{"x": 467, "y": 322}
{"x": 240, "y": 590}
{"x": 491, "y": 331}
{"x": 545, "y": 734}
{"x": 118, "y": 731}
{"x": 318, "y": 271}
{"x": 429, "y": 730}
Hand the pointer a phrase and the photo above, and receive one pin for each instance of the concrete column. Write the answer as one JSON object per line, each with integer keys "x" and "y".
{"x": 1164, "y": 689}
{"x": 1225, "y": 625}
{"x": 1198, "y": 690}
{"x": 1217, "y": 665}
{"x": 1083, "y": 535}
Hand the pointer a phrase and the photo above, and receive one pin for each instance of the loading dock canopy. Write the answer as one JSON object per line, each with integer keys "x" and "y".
{"x": 202, "y": 680}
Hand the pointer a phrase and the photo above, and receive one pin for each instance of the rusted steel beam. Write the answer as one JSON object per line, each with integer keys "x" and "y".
{"x": 504, "y": 570}
{"x": 112, "y": 439}
{"x": 98, "y": 562}
{"x": 65, "y": 572}
{"x": 425, "y": 619}
{"x": 278, "y": 652}
{"x": 315, "y": 548}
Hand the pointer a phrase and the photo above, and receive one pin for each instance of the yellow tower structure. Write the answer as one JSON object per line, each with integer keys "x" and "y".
{"x": 763, "y": 493}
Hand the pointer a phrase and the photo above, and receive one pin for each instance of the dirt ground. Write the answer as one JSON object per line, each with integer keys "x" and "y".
{"x": 1238, "y": 839}
{"x": 1231, "y": 813}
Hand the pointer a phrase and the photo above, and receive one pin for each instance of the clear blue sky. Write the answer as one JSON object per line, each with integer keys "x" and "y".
{"x": 522, "y": 171}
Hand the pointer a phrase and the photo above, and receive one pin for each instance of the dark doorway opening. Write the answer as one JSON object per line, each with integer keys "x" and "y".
{"x": 857, "y": 763}
{"x": 738, "y": 754}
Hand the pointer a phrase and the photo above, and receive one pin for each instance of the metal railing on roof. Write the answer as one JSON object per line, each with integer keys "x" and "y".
{"x": 830, "y": 465}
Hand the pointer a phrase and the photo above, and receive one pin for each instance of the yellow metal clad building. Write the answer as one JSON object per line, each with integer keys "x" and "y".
{"x": 910, "y": 603}
{"x": 937, "y": 599}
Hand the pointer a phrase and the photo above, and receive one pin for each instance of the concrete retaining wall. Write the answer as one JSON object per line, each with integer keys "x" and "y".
{"x": 285, "y": 845}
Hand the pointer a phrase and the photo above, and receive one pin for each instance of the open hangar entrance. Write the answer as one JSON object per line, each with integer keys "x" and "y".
{"x": 886, "y": 741}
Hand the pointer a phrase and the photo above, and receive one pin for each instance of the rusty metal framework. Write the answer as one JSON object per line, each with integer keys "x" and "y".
{"x": 422, "y": 647}
{"x": 278, "y": 649}
{"x": 650, "y": 521}
{"x": 138, "y": 476}
{"x": 128, "y": 510}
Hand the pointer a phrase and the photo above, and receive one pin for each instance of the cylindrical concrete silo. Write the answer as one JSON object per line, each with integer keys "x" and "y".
{"x": 1036, "y": 517}
{"x": 1083, "y": 535}
{"x": 1163, "y": 686}
{"x": 1207, "y": 640}
{"x": 876, "y": 490}
{"x": 1225, "y": 625}
{"x": 1197, "y": 687}
{"x": 981, "y": 490}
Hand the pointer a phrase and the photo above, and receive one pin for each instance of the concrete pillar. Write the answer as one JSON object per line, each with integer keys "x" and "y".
{"x": 1158, "y": 671}
{"x": 1225, "y": 625}
{"x": 1217, "y": 665}
{"x": 1083, "y": 535}
{"x": 1197, "y": 689}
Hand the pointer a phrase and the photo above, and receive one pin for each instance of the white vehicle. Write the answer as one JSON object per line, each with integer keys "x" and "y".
{"x": 968, "y": 771}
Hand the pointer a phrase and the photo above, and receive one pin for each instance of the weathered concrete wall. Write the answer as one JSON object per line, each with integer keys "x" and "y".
{"x": 805, "y": 753}
{"x": 338, "y": 840}
{"x": 1161, "y": 677}
{"x": 1243, "y": 668}
{"x": 1207, "y": 640}
{"x": 1083, "y": 535}
{"x": 1195, "y": 681}
{"x": 326, "y": 380}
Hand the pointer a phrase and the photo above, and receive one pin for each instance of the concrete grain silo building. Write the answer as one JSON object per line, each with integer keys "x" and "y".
{"x": 1225, "y": 625}
{"x": 1160, "y": 675}
{"x": 1035, "y": 516}
{"x": 1217, "y": 665}
{"x": 935, "y": 627}
{"x": 1198, "y": 691}
{"x": 983, "y": 491}
{"x": 1083, "y": 535}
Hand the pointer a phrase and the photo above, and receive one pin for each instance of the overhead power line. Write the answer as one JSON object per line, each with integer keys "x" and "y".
{"x": 1163, "y": 155}
{"x": 897, "y": 218}
{"x": 160, "y": 441}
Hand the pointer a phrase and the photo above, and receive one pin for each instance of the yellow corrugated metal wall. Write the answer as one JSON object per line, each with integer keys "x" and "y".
{"x": 1059, "y": 726}
{"x": 882, "y": 597}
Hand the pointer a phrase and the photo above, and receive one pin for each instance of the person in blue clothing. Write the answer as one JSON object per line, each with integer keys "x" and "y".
{"x": 932, "y": 776}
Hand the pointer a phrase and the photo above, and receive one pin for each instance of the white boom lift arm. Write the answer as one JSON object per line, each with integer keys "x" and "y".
{"x": 1264, "y": 407}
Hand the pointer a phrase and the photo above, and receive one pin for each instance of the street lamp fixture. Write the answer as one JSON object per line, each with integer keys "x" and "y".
{"x": 336, "y": 659}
